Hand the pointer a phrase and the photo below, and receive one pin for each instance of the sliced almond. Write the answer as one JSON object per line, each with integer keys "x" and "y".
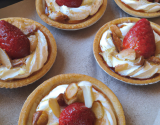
{"x": 71, "y": 93}
{"x": 33, "y": 42}
{"x": 36, "y": 116}
{"x": 80, "y": 97}
{"x": 61, "y": 17}
{"x": 117, "y": 42}
{"x": 70, "y": 101}
{"x": 139, "y": 61}
{"x": 86, "y": 2}
{"x": 87, "y": 93}
{"x": 116, "y": 30}
{"x": 121, "y": 67}
{"x": 60, "y": 100}
{"x": 128, "y": 54}
{"x": 40, "y": 118}
{"x": 43, "y": 119}
{"x": 18, "y": 62}
{"x": 26, "y": 28}
{"x": 53, "y": 104}
{"x": 98, "y": 110}
{"x": 5, "y": 60}
{"x": 157, "y": 48}
{"x": 154, "y": 59}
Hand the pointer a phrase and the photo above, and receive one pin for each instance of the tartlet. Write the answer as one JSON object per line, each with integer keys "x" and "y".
{"x": 30, "y": 105}
{"x": 52, "y": 52}
{"x": 135, "y": 12}
{"x": 107, "y": 69}
{"x": 40, "y": 7}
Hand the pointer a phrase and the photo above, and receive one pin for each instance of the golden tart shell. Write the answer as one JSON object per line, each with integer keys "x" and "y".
{"x": 40, "y": 7}
{"x": 30, "y": 105}
{"x": 103, "y": 65}
{"x": 135, "y": 12}
{"x": 52, "y": 52}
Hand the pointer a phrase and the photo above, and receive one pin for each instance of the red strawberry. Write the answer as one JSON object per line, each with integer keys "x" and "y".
{"x": 13, "y": 41}
{"x": 150, "y": 0}
{"x": 141, "y": 38}
{"x": 69, "y": 3}
{"x": 77, "y": 114}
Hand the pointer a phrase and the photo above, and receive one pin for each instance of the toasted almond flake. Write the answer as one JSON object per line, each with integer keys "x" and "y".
{"x": 121, "y": 67}
{"x": 116, "y": 30}
{"x": 87, "y": 93}
{"x": 117, "y": 42}
{"x": 98, "y": 110}
{"x": 71, "y": 91}
{"x": 53, "y": 104}
{"x": 128, "y": 54}
{"x": 5, "y": 60}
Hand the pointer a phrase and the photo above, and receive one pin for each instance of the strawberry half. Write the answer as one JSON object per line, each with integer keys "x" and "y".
{"x": 141, "y": 38}
{"x": 13, "y": 41}
{"x": 69, "y": 3}
{"x": 76, "y": 114}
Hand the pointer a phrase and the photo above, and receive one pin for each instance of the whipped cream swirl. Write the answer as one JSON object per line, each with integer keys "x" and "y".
{"x": 33, "y": 62}
{"x": 108, "y": 118}
{"x": 88, "y": 7}
{"x": 143, "y": 5}
{"x": 110, "y": 55}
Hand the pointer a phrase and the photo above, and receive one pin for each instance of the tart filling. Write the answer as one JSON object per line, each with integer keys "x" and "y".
{"x": 63, "y": 13}
{"x": 24, "y": 67}
{"x": 125, "y": 63}
{"x": 77, "y": 92}
{"x": 143, "y": 5}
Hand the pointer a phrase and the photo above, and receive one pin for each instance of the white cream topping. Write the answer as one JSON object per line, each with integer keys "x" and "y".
{"x": 33, "y": 62}
{"x": 143, "y": 5}
{"x": 88, "y": 7}
{"x": 109, "y": 116}
{"x": 110, "y": 55}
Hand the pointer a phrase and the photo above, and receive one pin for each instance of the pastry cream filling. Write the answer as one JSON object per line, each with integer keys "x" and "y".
{"x": 88, "y": 7}
{"x": 33, "y": 62}
{"x": 109, "y": 54}
{"x": 108, "y": 118}
{"x": 142, "y": 5}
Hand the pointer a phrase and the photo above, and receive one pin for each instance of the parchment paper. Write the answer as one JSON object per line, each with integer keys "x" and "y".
{"x": 75, "y": 55}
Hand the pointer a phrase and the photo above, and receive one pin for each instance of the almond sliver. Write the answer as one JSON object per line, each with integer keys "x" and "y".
{"x": 53, "y": 104}
{"x": 87, "y": 93}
